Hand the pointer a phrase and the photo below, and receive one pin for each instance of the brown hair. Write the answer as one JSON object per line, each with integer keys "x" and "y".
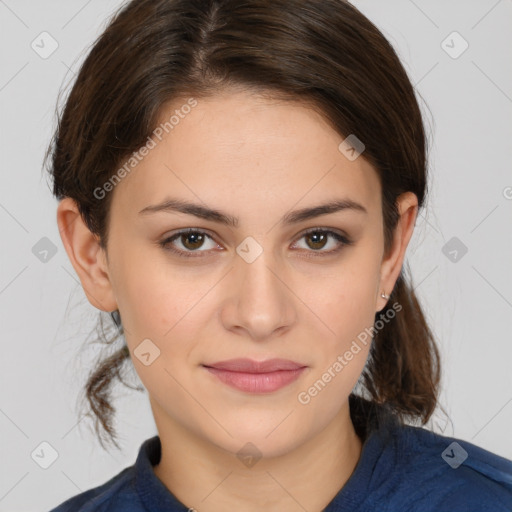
{"x": 322, "y": 52}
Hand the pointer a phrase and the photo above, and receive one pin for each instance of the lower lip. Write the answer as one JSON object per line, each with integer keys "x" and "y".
{"x": 257, "y": 382}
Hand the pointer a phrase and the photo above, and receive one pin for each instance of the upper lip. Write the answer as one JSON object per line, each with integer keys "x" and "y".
{"x": 251, "y": 366}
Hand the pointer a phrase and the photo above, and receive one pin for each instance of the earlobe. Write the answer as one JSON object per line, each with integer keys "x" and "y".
{"x": 86, "y": 256}
{"x": 407, "y": 204}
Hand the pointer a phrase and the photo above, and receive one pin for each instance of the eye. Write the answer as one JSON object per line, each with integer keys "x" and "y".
{"x": 192, "y": 240}
{"x": 318, "y": 238}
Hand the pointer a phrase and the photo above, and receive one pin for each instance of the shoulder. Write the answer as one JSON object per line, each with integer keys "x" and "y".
{"x": 115, "y": 494}
{"x": 134, "y": 489}
{"x": 445, "y": 473}
{"x": 124, "y": 491}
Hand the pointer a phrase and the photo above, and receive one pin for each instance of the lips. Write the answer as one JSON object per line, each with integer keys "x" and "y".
{"x": 251, "y": 366}
{"x": 252, "y": 376}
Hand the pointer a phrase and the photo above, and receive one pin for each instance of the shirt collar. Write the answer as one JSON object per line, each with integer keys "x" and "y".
{"x": 152, "y": 492}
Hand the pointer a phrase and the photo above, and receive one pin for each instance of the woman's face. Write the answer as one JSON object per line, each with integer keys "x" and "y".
{"x": 259, "y": 287}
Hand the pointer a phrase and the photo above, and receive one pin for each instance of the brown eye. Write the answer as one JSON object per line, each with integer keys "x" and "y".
{"x": 318, "y": 239}
{"x": 192, "y": 240}
{"x": 188, "y": 243}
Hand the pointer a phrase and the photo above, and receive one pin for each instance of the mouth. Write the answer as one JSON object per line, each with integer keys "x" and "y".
{"x": 256, "y": 377}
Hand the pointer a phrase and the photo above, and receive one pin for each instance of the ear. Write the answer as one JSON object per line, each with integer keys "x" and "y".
{"x": 407, "y": 204}
{"x": 86, "y": 255}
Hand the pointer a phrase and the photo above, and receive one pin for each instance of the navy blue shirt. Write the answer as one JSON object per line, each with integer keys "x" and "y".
{"x": 401, "y": 468}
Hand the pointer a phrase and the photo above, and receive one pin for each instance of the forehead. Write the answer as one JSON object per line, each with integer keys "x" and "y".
{"x": 247, "y": 150}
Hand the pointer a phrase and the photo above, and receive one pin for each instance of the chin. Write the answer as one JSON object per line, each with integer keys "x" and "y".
{"x": 257, "y": 442}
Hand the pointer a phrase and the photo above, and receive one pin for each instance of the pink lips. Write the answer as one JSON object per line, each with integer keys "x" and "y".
{"x": 256, "y": 377}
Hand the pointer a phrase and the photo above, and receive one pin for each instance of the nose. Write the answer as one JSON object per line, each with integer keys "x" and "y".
{"x": 260, "y": 300}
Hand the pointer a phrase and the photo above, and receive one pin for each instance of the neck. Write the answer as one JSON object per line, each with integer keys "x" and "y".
{"x": 209, "y": 479}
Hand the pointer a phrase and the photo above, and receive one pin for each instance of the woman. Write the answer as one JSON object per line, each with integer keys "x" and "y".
{"x": 238, "y": 185}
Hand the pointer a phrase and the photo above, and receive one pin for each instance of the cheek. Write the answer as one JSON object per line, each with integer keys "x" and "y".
{"x": 346, "y": 300}
{"x": 167, "y": 305}
{"x": 347, "y": 308}
{"x": 151, "y": 293}
{"x": 168, "y": 308}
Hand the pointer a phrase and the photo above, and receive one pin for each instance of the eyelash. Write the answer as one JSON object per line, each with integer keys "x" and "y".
{"x": 343, "y": 240}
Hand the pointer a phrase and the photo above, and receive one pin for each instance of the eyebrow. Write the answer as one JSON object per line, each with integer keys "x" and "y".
{"x": 178, "y": 205}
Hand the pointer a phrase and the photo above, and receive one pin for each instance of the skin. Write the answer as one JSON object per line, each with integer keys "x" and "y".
{"x": 256, "y": 159}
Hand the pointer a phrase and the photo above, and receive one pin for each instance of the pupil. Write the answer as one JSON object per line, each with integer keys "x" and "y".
{"x": 197, "y": 240}
{"x": 317, "y": 235}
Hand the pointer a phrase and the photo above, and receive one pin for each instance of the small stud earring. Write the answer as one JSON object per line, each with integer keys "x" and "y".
{"x": 384, "y": 296}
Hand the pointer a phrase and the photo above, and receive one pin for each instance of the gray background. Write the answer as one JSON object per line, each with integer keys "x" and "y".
{"x": 46, "y": 318}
